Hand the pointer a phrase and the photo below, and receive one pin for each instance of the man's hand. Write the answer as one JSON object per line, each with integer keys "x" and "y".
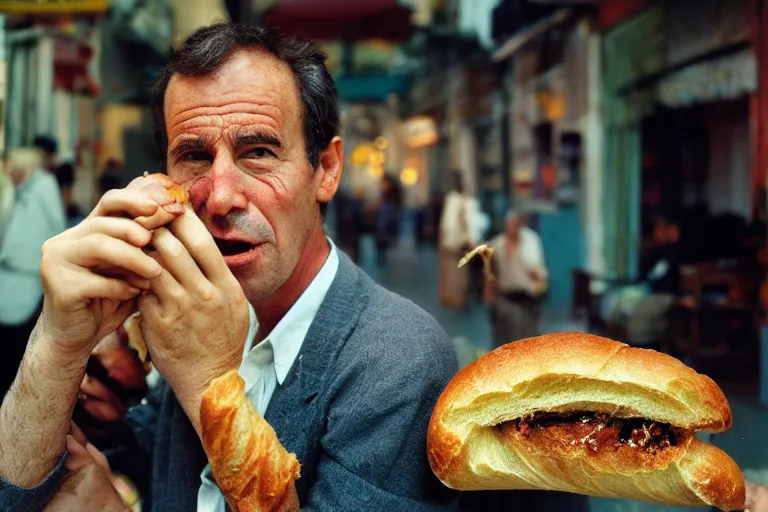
{"x": 92, "y": 272}
{"x": 91, "y": 276}
{"x": 757, "y": 497}
{"x": 89, "y": 484}
{"x": 195, "y": 319}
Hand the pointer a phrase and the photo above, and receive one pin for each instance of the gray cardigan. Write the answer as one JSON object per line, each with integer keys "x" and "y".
{"x": 354, "y": 409}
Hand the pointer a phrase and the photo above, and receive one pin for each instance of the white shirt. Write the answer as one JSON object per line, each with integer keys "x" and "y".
{"x": 36, "y": 216}
{"x": 460, "y": 224}
{"x": 513, "y": 271}
{"x": 286, "y": 339}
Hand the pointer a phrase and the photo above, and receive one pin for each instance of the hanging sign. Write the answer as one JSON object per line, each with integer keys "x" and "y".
{"x": 723, "y": 78}
{"x": 52, "y": 6}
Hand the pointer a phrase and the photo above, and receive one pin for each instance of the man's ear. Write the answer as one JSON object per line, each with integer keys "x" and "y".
{"x": 329, "y": 170}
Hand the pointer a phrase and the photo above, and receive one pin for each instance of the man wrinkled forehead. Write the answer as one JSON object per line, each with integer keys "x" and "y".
{"x": 209, "y": 48}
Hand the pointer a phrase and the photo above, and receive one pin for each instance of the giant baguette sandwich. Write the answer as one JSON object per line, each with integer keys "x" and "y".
{"x": 251, "y": 467}
{"x": 579, "y": 413}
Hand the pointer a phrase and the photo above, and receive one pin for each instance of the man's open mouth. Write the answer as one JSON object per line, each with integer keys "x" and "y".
{"x": 232, "y": 247}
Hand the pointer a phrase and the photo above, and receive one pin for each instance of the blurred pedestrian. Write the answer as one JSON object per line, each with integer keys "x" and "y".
{"x": 108, "y": 180}
{"x": 459, "y": 233}
{"x": 349, "y": 220}
{"x": 48, "y": 147}
{"x": 520, "y": 281}
{"x": 388, "y": 217}
{"x": 419, "y": 204}
{"x": 65, "y": 175}
{"x": 36, "y": 216}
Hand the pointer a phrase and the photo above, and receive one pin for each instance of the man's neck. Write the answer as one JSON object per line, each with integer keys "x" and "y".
{"x": 272, "y": 309}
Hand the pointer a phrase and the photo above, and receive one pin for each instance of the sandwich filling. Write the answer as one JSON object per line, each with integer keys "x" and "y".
{"x": 598, "y": 431}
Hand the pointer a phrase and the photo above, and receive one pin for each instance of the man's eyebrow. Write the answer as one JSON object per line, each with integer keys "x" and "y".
{"x": 191, "y": 144}
{"x": 257, "y": 139}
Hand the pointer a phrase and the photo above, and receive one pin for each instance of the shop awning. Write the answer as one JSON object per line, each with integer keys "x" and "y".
{"x": 522, "y": 38}
{"x": 346, "y": 20}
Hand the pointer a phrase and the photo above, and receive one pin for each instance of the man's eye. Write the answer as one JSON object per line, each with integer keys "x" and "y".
{"x": 259, "y": 153}
{"x": 195, "y": 156}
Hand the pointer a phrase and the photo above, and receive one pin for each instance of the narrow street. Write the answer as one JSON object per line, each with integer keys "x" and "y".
{"x": 413, "y": 273}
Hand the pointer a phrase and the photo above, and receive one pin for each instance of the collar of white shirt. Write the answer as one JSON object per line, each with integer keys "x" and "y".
{"x": 288, "y": 335}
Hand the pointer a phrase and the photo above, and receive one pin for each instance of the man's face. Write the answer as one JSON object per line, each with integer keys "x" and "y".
{"x": 236, "y": 139}
{"x": 17, "y": 175}
{"x": 514, "y": 223}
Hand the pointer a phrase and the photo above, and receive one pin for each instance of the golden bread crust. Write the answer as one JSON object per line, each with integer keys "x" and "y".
{"x": 470, "y": 447}
{"x": 251, "y": 467}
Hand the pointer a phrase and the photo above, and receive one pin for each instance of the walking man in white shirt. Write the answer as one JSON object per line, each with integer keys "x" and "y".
{"x": 521, "y": 279}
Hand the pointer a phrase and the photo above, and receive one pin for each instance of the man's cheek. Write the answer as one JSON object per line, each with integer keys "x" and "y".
{"x": 199, "y": 192}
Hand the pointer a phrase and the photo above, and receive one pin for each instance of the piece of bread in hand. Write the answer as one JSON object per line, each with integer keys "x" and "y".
{"x": 252, "y": 469}
{"x": 179, "y": 197}
{"x": 579, "y": 413}
{"x": 178, "y": 194}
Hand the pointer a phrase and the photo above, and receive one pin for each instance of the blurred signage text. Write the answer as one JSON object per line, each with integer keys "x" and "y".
{"x": 718, "y": 79}
{"x": 420, "y": 131}
{"x": 52, "y": 6}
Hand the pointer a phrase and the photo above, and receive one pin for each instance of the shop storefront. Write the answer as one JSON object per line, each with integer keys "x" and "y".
{"x": 548, "y": 130}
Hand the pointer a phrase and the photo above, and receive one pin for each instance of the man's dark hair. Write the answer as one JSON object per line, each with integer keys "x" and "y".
{"x": 109, "y": 181}
{"x": 65, "y": 175}
{"x": 209, "y": 48}
{"x": 47, "y": 144}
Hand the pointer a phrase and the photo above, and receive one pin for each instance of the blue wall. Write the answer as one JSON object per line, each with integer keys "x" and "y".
{"x": 563, "y": 239}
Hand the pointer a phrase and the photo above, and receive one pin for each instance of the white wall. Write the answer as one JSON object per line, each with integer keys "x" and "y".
{"x": 592, "y": 183}
{"x": 729, "y": 187}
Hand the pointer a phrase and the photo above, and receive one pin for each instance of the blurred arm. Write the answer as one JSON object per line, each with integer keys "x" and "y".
{"x": 36, "y": 217}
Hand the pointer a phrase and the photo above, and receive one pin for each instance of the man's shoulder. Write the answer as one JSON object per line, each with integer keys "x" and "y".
{"x": 498, "y": 241}
{"x": 529, "y": 233}
{"x": 394, "y": 328}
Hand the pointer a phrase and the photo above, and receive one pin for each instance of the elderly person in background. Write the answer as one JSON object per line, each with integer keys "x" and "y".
{"x": 37, "y": 215}
{"x": 521, "y": 279}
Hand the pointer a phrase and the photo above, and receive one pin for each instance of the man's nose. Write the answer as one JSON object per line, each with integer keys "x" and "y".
{"x": 226, "y": 187}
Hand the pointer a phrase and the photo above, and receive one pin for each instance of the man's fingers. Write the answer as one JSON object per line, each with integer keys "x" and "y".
{"x": 100, "y": 401}
{"x": 94, "y": 388}
{"x": 127, "y": 202}
{"x": 131, "y": 278}
{"x": 77, "y": 434}
{"x": 191, "y": 232}
{"x": 177, "y": 260}
{"x": 99, "y": 249}
{"x": 92, "y": 286}
{"x": 103, "y": 411}
{"x": 78, "y": 457}
{"x": 161, "y": 217}
{"x": 97, "y": 456}
{"x": 116, "y": 227}
{"x": 166, "y": 290}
